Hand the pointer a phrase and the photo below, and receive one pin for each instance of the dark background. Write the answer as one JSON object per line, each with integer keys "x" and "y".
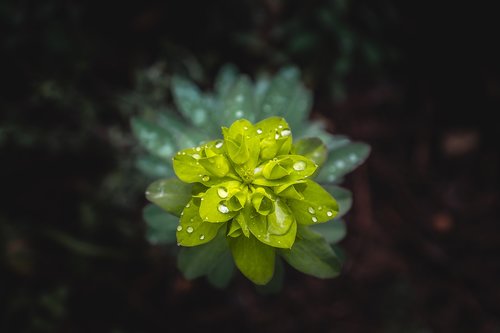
{"x": 419, "y": 82}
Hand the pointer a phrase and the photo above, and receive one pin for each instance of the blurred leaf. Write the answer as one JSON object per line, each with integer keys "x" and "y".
{"x": 202, "y": 260}
{"x": 226, "y": 78}
{"x": 342, "y": 161}
{"x": 170, "y": 194}
{"x": 154, "y": 138}
{"x": 343, "y": 197}
{"x": 190, "y": 101}
{"x": 161, "y": 225}
{"x": 238, "y": 102}
{"x": 333, "y": 231}
{"x": 312, "y": 255}
{"x": 154, "y": 167}
{"x": 280, "y": 91}
{"x": 276, "y": 284}
{"x": 312, "y": 148}
{"x": 222, "y": 273}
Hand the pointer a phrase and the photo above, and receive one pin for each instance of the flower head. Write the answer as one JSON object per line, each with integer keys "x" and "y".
{"x": 251, "y": 187}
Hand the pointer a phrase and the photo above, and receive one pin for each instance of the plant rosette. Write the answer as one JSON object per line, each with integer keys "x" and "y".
{"x": 251, "y": 194}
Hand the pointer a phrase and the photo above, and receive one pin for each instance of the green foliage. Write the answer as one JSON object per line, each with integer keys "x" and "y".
{"x": 248, "y": 197}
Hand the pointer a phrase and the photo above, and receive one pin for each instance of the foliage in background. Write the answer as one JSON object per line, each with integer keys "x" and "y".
{"x": 162, "y": 132}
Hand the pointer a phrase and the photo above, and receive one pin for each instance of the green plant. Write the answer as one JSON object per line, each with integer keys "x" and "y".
{"x": 163, "y": 133}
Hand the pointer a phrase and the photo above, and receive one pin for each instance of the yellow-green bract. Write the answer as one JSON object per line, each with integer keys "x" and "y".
{"x": 250, "y": 187}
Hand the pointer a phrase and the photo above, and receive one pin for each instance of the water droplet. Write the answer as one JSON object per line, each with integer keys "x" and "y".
{"x": 197, "y": 156}
{"x": 202, "y": 237}
{"x": 245, "y": 128}
{"x": 329, "y": 213}
{"x": 178, "y": 153}
{"x": 259, "y": 131}
{"x": 205, "y": 178}
{"x": 299, "y": 166}
{"x": 276, "y": 136}
{"x": 331, "y": 178}
{"x": 198, "y": 149}
{"x": 353, "y": 158}
{"x": 314, "y": 219}
{"x": 280, "y": 126}
{"x": 240, "y": 98}
{"x": 286, "y": 132}
{"x": 257, "y": 170}
{"x": 219, "y": 144}
{"x": 191, "y": 219}
{"x": 183, "y": 153}
{"x": 188, "y": 205}
{"x": 182, "y": 213}
{"x": 189, "y": 230}
{"x": 320, "y": 207}
{"x": 223, "y": 209}
{"x": 179, "y": 228}
{"x": 311, "y": 210}
{"x": 340, "y": 164}
{"x": 222, "y": 192}
{"x": 238, "y": 114}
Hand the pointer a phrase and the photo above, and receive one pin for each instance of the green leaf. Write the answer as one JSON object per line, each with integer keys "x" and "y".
{"x": 155, "y": 139}
{"x": 275, "y": 136}
{"x": 160, "y": 225}
{"x": 192, "y": 230}
{"x": 342, "y": 161}
{"x": 253, "y": 258}
{"x": 238, "y": 102}
{"x": 317, "y": 206}
{"x": 343, "y": 198}
{"x": 170, "y": 194}
{"x": 312, "y": 148}
{"x": 333, "y": 231}
{"x": 190, "y": 101}
{"x": 202, "y": 260}
{"x": 154, "y": 167}
{"x": 214, "y": 208}
{"x": 317, "y": 130}
{"x": 276, "y": 284}
{"x": 285, "y": 169}
{"x": 221, "y": 274}
{"x": 277, "y": 229}
{"x": 311, "y": 254}
{"x": 226, "y": 78}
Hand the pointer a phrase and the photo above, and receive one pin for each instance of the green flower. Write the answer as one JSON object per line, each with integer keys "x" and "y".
{"x": 253, "y": 189}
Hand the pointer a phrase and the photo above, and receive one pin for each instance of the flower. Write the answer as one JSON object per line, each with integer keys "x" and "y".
{"x": 251, "y": 187}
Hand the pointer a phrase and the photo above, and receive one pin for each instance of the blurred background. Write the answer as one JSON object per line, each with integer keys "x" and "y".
{"x": 419, "y": 82}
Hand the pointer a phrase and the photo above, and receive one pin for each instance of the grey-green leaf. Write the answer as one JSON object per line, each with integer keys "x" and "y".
{"x": 312, "y": 148}
{"x": 190, "y": 101}
{"x": 342, "y": 161}
{"x": 343, "y": 197}
{"x": 333, "y": 231}
{"x": 170, "y": 194}
{"x": 154, "y": 167}
{"x": 160, "y": 225}
{"x": 312, "y": 255}
{"x": 221, "y": 274}
{"x": 154, "y": 138}
{"x": 238, "y": 102}
{"x": 280, "y": 93}
{"x": 203, "y": 259}
{"x": 226, "y": 77}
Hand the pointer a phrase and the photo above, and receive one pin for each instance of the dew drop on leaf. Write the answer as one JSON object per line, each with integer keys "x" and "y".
{"x": 222, "y": 192}
{"x": 179, "y": 228}
{"x": 219, "y": 144}
{"x": 286, "y": 132}
{"x": 205, "y": 178}
{"x": 189, "y": 230}
{"x": 311, "y": 210}
{"x": 329, "y": 213}
{"x": 314, "y": 219}
{"x": 259, "y": 131}
{"x": 223, "y": 209}
{"x": 202, "y": 237}
{"x": 299, "y": 166}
